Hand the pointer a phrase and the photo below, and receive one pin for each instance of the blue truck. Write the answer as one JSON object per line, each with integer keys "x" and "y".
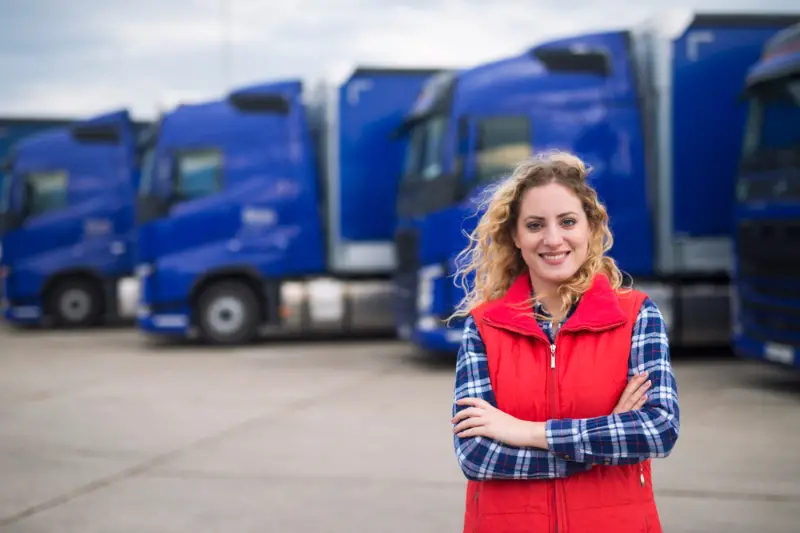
{"x": 271, "y": 211}
{"x": 11, "y": 131}
{"x": 653, "y": 110}
{"x": 68, "y": 221}
{"x": 766, "y": 307}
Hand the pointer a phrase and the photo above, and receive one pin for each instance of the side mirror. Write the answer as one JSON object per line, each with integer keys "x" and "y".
{"x": 462, "y": 189}
{"x": 10, "y": 220}
{"x": 152, "y": 207}
{"x": 26, "y": 209}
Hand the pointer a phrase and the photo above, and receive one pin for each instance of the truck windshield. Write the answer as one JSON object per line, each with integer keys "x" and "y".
{"x": 147, "y": 172}
{"x": 774, "y": 118}
{"x": 147, "y": 145}
{"x": 424, "y": 153}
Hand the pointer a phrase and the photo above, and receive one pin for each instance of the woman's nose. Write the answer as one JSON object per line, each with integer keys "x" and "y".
{"x": 552, "y": 237}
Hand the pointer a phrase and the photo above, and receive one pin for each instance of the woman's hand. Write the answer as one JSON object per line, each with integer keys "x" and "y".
{"x": 634, "y": 396}
{"x": 483, "y": 419}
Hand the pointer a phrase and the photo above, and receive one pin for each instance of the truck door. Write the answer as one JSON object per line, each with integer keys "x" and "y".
{"x": 34, "y": 223}
{"x": 197, "y": 214}
{"x": 5, "y": 198}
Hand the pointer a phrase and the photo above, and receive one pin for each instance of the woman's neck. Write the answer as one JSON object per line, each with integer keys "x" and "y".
{"x": 548, "y": 297}
{"x": 553, "y": 308}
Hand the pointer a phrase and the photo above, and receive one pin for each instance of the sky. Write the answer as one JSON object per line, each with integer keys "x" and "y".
{"x": 99, "y": 55}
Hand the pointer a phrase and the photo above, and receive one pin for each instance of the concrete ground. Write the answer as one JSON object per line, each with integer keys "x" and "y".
{"x": 104, "y": 432}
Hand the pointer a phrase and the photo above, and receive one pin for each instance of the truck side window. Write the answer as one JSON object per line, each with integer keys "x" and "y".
{"x": 503, "y": 142}
{"x": 199, "y": 174}
{"x": 45, "y": 192}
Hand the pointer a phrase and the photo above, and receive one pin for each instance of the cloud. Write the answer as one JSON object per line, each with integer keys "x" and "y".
{"x": 101, "y": 55}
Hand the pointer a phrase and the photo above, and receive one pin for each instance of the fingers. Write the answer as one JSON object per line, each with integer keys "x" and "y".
{"x": 466, "y": 413}
{"x": 479, "y": 431}
{"x": 634, "y": 384}
{"x": 634, "y": 392}
{"x": 639, "y": 404}
{"x": 468, "y": 423}
{"x": 638, "y": 398}
{"x": 474, "y": 402}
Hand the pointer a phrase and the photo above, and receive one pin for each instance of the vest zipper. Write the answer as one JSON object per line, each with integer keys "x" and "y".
{"x": 643, "y": 483}
{"x": 475, "y": 504}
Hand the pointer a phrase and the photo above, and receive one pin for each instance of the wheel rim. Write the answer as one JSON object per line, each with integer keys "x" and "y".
{"x": 75, "y": 305}
{"x": 226, "y": 315}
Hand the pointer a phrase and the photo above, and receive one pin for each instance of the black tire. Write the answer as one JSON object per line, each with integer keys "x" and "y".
{"x": 227, "y": 313}
{"x": 76, "y": 303}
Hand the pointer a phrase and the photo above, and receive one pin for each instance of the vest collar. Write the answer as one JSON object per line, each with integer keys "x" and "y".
{"x": 597, "y": 310}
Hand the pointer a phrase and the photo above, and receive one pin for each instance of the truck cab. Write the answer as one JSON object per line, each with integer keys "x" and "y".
{"x": 767, "y": 281}
{"x": 226, "y": 184}
{"x": 271, "y": 210}
{"x": 471, "y": 128}
{"x": 68, "y": 222}
{"x": 11, "y": 131}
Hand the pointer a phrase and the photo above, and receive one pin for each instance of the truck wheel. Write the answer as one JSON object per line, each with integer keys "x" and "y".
{"x": 227, "y": 313}
{"x": 75, "y": 303}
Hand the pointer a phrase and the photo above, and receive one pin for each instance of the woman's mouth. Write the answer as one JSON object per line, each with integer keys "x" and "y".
{"x": 554, "y": 258}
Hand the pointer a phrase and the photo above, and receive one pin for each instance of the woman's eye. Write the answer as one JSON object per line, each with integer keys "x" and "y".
{"x": 569, "y": 221}
{"x": 534, "y": 226}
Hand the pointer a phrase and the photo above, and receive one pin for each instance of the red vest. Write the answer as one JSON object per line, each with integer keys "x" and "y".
{"x": 590, "y": 371}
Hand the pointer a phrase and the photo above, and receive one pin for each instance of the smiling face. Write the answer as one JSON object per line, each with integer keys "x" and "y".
{"x": 552, "y": 233}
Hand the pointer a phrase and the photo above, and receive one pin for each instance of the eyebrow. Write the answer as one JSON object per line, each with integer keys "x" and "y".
{"x": 562, "y": 215}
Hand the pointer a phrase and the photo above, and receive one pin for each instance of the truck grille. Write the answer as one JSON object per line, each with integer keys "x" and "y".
{"x": 406, "y": 245}
{"x": 769, "y": 248}
{"x": 405, "y": 279}
{"x": 769, "y": 276}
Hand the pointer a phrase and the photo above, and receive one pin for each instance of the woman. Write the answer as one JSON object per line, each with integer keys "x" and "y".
{"x": 564, "y": 388}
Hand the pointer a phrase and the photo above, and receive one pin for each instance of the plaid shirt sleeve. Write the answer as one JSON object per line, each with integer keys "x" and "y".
{"x": 633, "y": 436}
{"x": 482, "y": 458}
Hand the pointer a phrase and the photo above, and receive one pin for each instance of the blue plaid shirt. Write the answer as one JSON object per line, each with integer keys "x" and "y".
{"x": 624, "y": 438}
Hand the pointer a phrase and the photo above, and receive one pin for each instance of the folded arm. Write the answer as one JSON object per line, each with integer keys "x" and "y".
{"x": 633, "y": 436}
{"x": 482, "y": 458}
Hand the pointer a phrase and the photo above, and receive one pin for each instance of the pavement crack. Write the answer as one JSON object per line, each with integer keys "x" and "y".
{"x": 350, "y": 479}
{"x": 164, "y": 458}
{"x": 729, "y": 496}
{"x": 337, "y": 480}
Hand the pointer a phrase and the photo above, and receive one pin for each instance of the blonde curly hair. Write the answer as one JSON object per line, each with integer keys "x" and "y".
{"x": 494, "y": 259}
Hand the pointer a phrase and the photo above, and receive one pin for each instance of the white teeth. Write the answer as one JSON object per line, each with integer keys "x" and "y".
{"x": 554, "y": 257}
